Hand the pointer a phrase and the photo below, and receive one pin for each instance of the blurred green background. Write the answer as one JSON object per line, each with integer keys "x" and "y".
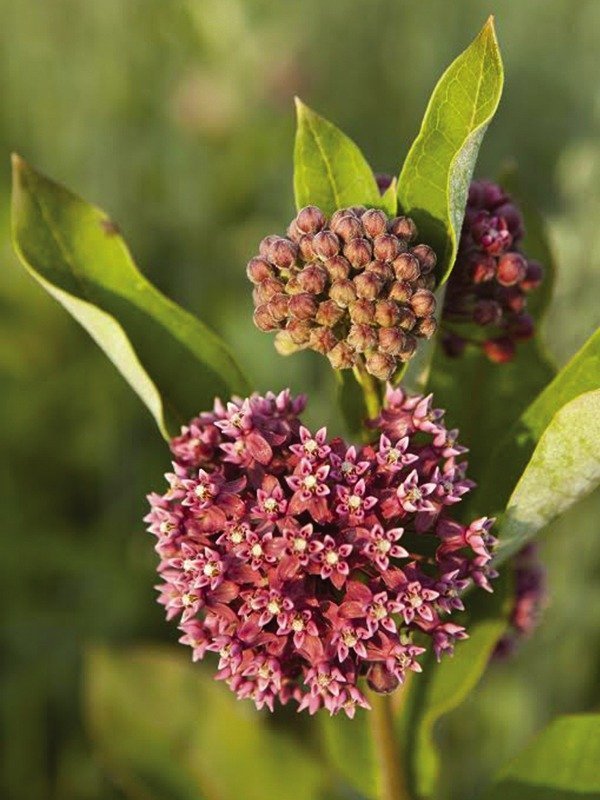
{"x": 177, "y": 118}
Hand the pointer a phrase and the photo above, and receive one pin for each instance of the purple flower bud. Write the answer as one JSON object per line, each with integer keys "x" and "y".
{"x": 338, "y": 267}
{"x": 406, "y": 318}
{"x": 368, "y": 285}
{"x": 329, "y": 314}
{"x": 380, "y": 365}
{"x": 358, "y": 252}
{"x": 499, "y": 350}
{"x": 293, "y": 233}
{"x": 406, "y": 267}
{"x": 381, "y": 680}
{"x": 341, "y": 356}
{"x": 259, "y": 269}
{"x": 267, "y": 289}
{"x": 425, "y": 282}
{"x": 423, "y": 302}
{"x": 426, "y": 257}
{"x": 326, "y": 245}
{"x": 322, "y": 340}
{"x": 264, "y": 247}
{"x": 299, "y": 330}
{"x": 403, "y": 228}
{"x": 400, "y": 291}
{"x": 522, "y": 327}
{"x": 408, "y": 348}
{"x": 392, "y": 341}
{"x": 513, "y": 299}
{"x": 310, "y": 219}
{"x": 511, "y": 269}
{"x": 534, "y": 275}
{"x": 263, "y": 319}
{"x": 361, "y": 337}
{"x": 305, "y": 245}
{"x": 386, "y": 247}
{"x": 384, "y": 181}
{"x": 483, "y": 268}
{"x": 487, "y": 312}
{"x": 342, "y": 292}
{"x": 313, "y": 279}
{"x": 362, "y": 311}
{"x": 303, "y": 306}
{"x": 374, "y": 222}
{"x": 283, "y": 253}
{"x": 278, "y": 307}
{"x": 382, "y": 270}
{"x": 347, "y": 227}
{"x": 387, "y": 313}
{"x": 425, "y": 327}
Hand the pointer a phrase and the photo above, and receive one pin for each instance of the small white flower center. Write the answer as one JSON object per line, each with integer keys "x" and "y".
{"x": 310, "y": 446}
{"x": 188, "y": 564}
{"x": 211, "y": 569}
{"x": 297, "y": 624}
{"x": 354, "y": 502}
{"x": 256, "y": 550}
{"x": 236, "y": 536}
{"x": 347, "y": 467}
{"x": 270, "y": 504}
{"x": 332, "y": 557}
{"x": 349, "y": 638}
{"x": 393, "y": 456}
{"x": 383, "y": 546}
{"x": 201, "y": 491}
{"x": 188, "y": 599}
{"x": 300, "y": 544}
{"x": 310, "y": 482}
{"x": 274, "y": 606}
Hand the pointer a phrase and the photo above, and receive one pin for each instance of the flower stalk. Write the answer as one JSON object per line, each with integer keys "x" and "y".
{"x": 392, "y": 785}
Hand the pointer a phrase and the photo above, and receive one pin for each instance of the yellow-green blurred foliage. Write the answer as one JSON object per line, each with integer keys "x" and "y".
{"x": 176, "y": 116}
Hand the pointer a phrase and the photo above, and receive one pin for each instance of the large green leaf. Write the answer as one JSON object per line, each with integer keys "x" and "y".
{"x": 564, "y": 467}
{"x": 329, "y": 169}
{"x": 171, "y": 359}
{"x": 164, "y": 728}
{"x": 442, "y": 687}
{"x": 349, "y": 748}
{"x": 562, "y": 763}
{"x": 434, "y": 180}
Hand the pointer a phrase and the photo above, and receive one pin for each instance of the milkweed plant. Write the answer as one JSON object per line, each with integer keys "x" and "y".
{"x": 367, "y": 581}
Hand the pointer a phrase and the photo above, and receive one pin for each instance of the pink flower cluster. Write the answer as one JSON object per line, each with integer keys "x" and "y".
{"x": 306, "y": 563}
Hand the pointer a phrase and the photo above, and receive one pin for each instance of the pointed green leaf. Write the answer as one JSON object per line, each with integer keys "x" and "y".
{"x": 434, "y": 181}
{"x": 562, "y": 763}
{"x": 172, "y": 360}
{"x": 163, "y": 725}
{"x": 329, "y": 169}
{"x": 564, "y": 467}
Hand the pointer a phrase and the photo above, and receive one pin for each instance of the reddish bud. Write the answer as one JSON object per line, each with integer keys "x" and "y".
{"x": 279, "y": 306}
{"x": 483, "y": 268}
{"x": 313, "y": 279}
{"x": 408, "y": 348}
{"x": 326, "y": 244}
{"x": 386, "y": 247}
{"x": 361, "y": 337}
{"x": 329, "y": 313}
{"x": 522, "y": 327}
{"x": 347, "y": 227}
{"x": 264, "y": 248}
{"x": 534, "y": 274}
{"x": 383, "y": 270}
{"x": 358, "y": 252}
{"x": 406, "y": 267}
{"x": 374, "y": 222}
{"x": 406, "y": 318}
{"x": 400, "y": 291}
{"x": 426, "y": 257}
{"x": 259, "y": 269}
{"x": 403, "y": 228}
{"x": 305, "y": 245}
{"x": 283, "y": 253}
{"x": 322, "y": 340}
{"x": 423, "y": 302}
{"x": 368, "y": 285}
{"x": 380, "y": 365}
{"x": 362, "y": 311}
{"x": 264, "y": 320}
{"x": 381, "y": 680}
{"x": 487, "y": 312}
{"x": 386, "y": 313}
{"x": 299, "y": 330}
{"x": 343, "y": 292}
{"x": 338, "y": 267}
{"x": 392, "y": 341}
{"x": 425, "y": 327}
{"x": 499, "y": 350}
{"x": 267, "y": 289}
{"x": 341, "y": 356}
{"x": 303, "y": 306}
{"x": 310, "y": 219}
{"x": 514, "y": 299}
{"x": 511, "y": 269}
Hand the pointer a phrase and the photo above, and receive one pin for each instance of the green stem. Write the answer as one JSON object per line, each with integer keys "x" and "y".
{"x": 371, "y": 391}
{"x": 392, "y": 785}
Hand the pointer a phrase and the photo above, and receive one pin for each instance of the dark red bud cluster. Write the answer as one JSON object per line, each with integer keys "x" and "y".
{"x": 353, "y": 287}
{"x": 492, "y": 277}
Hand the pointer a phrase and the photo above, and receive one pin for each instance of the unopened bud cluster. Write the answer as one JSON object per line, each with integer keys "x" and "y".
{"x": 491, "y": 278}
{"x": 355, "y": 287}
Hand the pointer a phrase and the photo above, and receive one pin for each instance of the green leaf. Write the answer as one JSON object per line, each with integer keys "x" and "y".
{"x": 162, "y": 725}
{"x": 348, "y": 745}
{"x": 171, "y": 359}
{"x": 560, "y": 764}
{"x": 564, "y": 467}
{"x": 434, "y": 180}
{"x": 329, "y": 169}
{"x": 351, "y": 401}
{"x": 442, "y": 687}
{"x": 510, "y": 457}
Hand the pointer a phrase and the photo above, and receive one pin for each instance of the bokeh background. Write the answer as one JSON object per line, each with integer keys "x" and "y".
{"x": 177, "y": 118}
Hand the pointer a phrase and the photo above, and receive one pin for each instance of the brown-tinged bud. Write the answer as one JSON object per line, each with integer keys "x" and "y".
{"x": 499, "y": 350}
{"x": 425, "y": 282}
{"x": 522, "y": 327}
{"x": 347, "y": 227}
{"x": 387, "y": 313}
{"x": 423, "y": 302}
{"x": 514, "y": 299}
{"x": 403, "y": 228}
{"x": 329, "y": 314}
{"x": 380, "y": 365}
{"x": 292, "y": 232}
{"x": 338, "y": 267}
{"x": 342, "y": 356}
{"x": 337, "y": 216}
{"x": 267, "y": 289}
{"x": 400, "y": 291}
{"x": 293, "y": 286}
{"x": 483, "y": 268}
{"x": 361, "y": 337}
{"x": 303, "y": 306}
{"x": 342, "y": 292}
{"x": 426, "y": 256}
{"x": 299, "y": 330}
{"x": 279, "y": 306}
{"x": 406, "y": 318}
{"x": 408, "y": 348}
{"x": 368, "y": 285}
{"x": 362, "y": 311}
{"x": 264, "y": 320}
{"x": 534, "y": 274}
{"x": 425, "y": 327}
{"x": 381, "y": 680}
{"x": 392, "y": 341}
{"x": 305, "y": 245}
{"x": 313, "y": 279}
{"x": 259, "y": 269}
{"x": 358, "y": 252}
{"x": 264, "y": 248}
{"x": 322, "y": 340}
{"x": 374, "y": 222}
{"x": 383, "y": 270}
{"x": 406, "y": 267}
{"x": 310, "y": 219}
{"x": 326, "y": 245}
{"x": 511, "y": 269}
{"x": 358, "y": 211}
{"x": 385, "y": 247}
{"x": 487, "y": 312}
{"x": 283, "y": 253}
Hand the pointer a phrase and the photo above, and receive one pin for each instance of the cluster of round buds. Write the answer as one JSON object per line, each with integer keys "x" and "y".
{"x": 491, "y": 278}
{"x": 530, "y": 600}
{"x": 307, "y": 564}
{"x": 355, "y": 287}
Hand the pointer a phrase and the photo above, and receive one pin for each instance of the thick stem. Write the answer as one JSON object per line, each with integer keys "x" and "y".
{"x": 371, "y": 391}
{"x": 392, "y": 785}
